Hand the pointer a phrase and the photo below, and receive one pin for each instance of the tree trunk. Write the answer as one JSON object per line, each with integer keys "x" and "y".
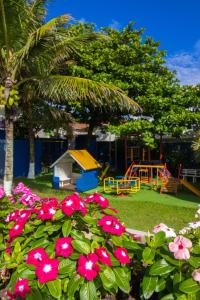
{"x": 31, "y": 172}
{"x": 89, "y": 135}
{"x": 9, "y": 129}
{"x": 8, "y": 171}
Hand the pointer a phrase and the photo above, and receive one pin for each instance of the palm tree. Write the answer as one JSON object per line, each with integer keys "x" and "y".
{"x": 27, "y": 41}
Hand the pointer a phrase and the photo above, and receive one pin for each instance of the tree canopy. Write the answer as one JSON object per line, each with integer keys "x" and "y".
{"x": 136, "y": 64}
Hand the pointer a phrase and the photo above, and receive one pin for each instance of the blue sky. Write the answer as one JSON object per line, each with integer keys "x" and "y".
{"x": 175, "y": 23}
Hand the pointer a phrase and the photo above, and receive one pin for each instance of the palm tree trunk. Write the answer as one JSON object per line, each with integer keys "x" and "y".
{"x": 31, "y": 172}
{"x": 9, "y": 129}
{"x": 8, "y": 171}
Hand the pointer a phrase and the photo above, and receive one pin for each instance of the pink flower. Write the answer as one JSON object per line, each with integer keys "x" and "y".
{"x": 12, "y": 216}
{"x": 28, "y": 198}
{"x": 122, "y": 255}
{"x": 36, "y": 256}
{"x": 51, "y": 201}
{"x": 16, "y": 230}
{"x": 11, "y": 199}
{"x": 169, "y": 232}
{"x": 21, "y": 288}
{"x": 103, "y": 256}
{"x": 87, "y": 266}
{"x": 64, "y": 247}
{"x": 73, "y": 203}
{"x": 2, "y": 192}
{"x": 10, "y": 295}
{"x": 21, "y": 188}
{"x": 23, "y": 216}
{"x": 180, "y": 247}
{"x": 196, "y": 275}
{"x": 47, "y": 270}
{"x": 8, "y": 250}
{"x": 46, "y": 212}
{"x": 101, "y": 201}
{"x": 112, "y": 225}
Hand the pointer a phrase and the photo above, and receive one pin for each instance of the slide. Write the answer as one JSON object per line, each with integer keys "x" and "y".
{"x": 103, "y": 174}
{"x": 190, "y": 187}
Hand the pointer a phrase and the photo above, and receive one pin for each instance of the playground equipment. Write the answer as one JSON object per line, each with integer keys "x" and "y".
{"x": 146, "y": 171}
{"x": 104, "y": 172}
{"x": 169, "y": 185}
{"x": 123, "y": 185}
{"x": 144, "y": 176}
{"x": 64, "y": 177}
{"x": 190, "y": 187}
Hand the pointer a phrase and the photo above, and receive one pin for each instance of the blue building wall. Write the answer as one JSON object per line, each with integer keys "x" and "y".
{"x": 21, "y": 157}
{"x": 46, "y": 152}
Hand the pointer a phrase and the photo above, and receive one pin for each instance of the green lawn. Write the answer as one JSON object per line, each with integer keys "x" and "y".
{"x": 140, "y": 211}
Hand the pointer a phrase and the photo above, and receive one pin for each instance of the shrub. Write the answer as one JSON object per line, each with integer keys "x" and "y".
{"x": 78, "y": 249}
{"x": 73, "y": 249}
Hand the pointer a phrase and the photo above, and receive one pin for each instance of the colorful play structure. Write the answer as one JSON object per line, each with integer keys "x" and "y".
{"x": 139, "y": 174}
{"x": 65, "y": 178}
{"x": 151, "y": 173}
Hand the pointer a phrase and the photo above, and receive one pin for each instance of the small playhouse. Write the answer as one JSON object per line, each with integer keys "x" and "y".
{"x": 65, "y": 178}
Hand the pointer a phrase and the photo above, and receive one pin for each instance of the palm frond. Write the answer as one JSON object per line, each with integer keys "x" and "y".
{"x": 40, "y": 33}
{"x": 62, "y": 88}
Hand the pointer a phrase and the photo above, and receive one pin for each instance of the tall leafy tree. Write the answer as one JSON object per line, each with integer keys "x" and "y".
{"x": 134, "y": 63}
{"x": 29, "y": 51}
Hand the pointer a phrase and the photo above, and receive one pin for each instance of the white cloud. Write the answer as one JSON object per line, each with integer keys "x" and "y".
{"x": 187, "y": 65}
{"x": 115, "y": 25}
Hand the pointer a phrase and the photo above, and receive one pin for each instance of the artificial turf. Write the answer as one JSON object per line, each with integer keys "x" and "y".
{"x": 139, "y": 211}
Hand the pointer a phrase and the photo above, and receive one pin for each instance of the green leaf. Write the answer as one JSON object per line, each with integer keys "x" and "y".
{"x": 148, "y": 286}
{"x": 66, "y": 228}
{"x": 122, "y": 280}
{"x": 196, "y": 249}
{"x": 168, "y": 297}
{"x": 148, "y": 255}
{"x": 158, "y": 239}
{"x": 29, "y": 274}
{"x": 1, "y": 238}
{"x": 74, "y": 284}
{"x": 109, "y": 211}
{"x": 131, "y": 245}
{"x": 40, "y": 231}
{"x": 189, "y": 286}
{"x": 194, "y": 261}
{"x": 178, "y": 277}
{"x": 161, "y": 285}
{"x": 117, "y": 240}
{"x": 94, "y": 245}
{"x": 67, "y": 266}
{"x": 81, "y": 246}
{"x": 88, "y": 291}
{"x": 65, "y": 284}
{"x": 108, "y": 278}
{"x": 161, "y": 267}
{"x": 52, "y": 228}
{"x": 17, "y": 248}
{"x": 7, "y": 257}
{"x": 89, "y": 220}
{"x": 58, "y": 215}
{"x": 182, "y": 297}
{"x": 55, "y": 289}
{"x": 39, "y": 243}
{"x": 34, "y": 294}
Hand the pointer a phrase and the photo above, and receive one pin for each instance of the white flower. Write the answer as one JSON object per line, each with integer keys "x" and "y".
{"x": 194, "y": 225}
{"x": 184, "y": 230}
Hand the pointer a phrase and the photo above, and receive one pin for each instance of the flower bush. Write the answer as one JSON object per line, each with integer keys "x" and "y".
{"x": 78, "y": 249}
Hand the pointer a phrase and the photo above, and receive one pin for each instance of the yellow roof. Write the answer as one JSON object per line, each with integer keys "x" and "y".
{"x": 84, "y": 159}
